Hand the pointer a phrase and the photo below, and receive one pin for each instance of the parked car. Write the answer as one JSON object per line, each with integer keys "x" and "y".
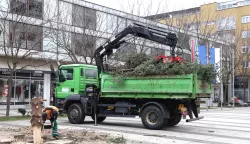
{"x": 238, "y": 102}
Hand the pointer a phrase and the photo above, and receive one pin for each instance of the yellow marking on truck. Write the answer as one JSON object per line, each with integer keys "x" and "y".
{"x": 110, "y": 107}
{"x": 181, "y": 106}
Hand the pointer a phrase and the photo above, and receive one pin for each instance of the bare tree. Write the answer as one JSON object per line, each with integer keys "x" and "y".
{"x": 79, "y": 34}
{"x": 21, "y": 26}
{"x": 243, "y": 57}
{"x": 211, "y": 30}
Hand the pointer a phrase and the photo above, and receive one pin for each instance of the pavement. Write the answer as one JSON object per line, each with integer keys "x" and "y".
{"x": 13, "y": 112}
{"x": 227, "y": 126}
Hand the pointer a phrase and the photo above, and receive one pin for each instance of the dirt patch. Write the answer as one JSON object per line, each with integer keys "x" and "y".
{"x": 14, "y": 135}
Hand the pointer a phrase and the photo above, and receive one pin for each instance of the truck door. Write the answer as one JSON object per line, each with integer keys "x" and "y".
{"x": 91, "y": 77}
{"x": 66, "y": 83}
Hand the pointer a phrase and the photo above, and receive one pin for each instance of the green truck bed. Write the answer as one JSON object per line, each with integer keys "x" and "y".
{"x": 163, "y": 87}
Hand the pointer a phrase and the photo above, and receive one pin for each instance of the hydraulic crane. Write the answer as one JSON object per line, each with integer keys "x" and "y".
{"x": 138, "y": 30}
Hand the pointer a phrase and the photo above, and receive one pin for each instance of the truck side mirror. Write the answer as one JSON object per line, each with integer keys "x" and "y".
{"x": 61, "y": 78}
{"x": 56, "y": 74}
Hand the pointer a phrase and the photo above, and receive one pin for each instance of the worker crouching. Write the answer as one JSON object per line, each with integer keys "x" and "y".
{"x": 51, "y": 113}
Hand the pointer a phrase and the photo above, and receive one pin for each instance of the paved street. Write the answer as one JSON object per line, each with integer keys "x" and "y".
{"x": 220, "y": 127}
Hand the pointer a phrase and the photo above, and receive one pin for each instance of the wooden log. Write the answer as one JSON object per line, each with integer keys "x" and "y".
{"x": 36, "y": 119}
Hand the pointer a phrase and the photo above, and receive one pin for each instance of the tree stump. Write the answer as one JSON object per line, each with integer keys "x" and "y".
{"x": 36, "y": 119}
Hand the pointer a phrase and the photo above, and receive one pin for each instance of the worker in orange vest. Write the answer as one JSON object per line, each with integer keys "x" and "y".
{"x": 51, "y": 113}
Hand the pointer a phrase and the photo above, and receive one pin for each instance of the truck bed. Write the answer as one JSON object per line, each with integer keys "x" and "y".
{"x": 159, "y": 87}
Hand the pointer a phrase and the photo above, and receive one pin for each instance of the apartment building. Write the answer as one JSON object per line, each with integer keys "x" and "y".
{"x": 226, "y": 21}
{"x": 58, "y": 31}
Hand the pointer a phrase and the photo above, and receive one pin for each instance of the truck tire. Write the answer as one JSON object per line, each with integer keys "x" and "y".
{"x": 174, "y": 121}
{"x": 152, "y": 118}
{"x": 75, "y": 114}
{"x": 99, "y": 119}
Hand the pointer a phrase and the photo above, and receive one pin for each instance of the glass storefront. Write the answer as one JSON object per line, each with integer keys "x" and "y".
{"x": 25, "y": 87}
{"x": 3, "y": 89}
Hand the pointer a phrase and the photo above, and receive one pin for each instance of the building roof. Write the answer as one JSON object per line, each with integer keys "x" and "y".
{"x": 169, "y": 14}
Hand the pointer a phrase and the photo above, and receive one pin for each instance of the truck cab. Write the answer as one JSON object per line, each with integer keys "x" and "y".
{"x": 73, "y": 79}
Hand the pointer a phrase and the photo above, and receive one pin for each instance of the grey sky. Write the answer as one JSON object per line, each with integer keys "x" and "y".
{"x": 149, "y": 7}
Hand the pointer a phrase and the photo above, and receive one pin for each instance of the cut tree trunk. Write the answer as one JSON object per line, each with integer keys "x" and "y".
{"x": 36, "y": 119}
{"x": 9, "y": 94}
{"x": 225, "y": 93}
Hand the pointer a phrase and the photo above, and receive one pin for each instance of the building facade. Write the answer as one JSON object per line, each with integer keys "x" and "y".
{"x": 57, "y": 31}
{"x": 226, "y": 21}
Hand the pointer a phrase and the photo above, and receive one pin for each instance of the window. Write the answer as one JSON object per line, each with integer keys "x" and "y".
{"x": 111, "y": 23}
{"x": 227, "y": 5}
{"x": 91, "y": 74}
{"x": 32, "y": 8}
{"x": 245, "y": 34}
{"x": 25, "y": 36}
{"x": 18, "y": 6}
{"x": 84, "y": 17}
{"x": 90, "y": 18}
{"x": 66, "y": 74}
{"x": 245, "y": 19}
{"x": 245, "y": 64}
{"x": 208, "y": 23}
{"x": 101, "y": 21}
{"x": 35, "y": 8}
{"x": 228, "y": 36}
{"x": 121, "y": 24}
{"x": 82, "y": 72}
{"x": 245, "y": 49}
{"x": 83, "y": 45}
{"x": 243, "y": 3}
{"x": 78, "y": 16}
{"x": 226, "y": 23}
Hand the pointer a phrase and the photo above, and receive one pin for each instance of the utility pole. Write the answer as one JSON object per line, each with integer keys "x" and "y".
{"x": 221, "y": 81}
{"x": 57, "y": 31}
{"x": 233, "y": 76}
{"x": 207, "y": 64}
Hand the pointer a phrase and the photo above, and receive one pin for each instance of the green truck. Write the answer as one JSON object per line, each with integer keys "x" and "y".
{"x": 86, "y": 90}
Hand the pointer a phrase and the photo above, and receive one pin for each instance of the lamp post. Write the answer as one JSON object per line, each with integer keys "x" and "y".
{"x": 221, "y": 82}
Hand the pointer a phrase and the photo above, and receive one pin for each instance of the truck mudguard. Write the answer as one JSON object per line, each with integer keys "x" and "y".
{"x": 69, "y": 99}
{"x": 165, "y": 111}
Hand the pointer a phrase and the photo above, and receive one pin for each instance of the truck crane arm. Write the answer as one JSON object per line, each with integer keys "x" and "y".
{"x": 137, "y": 30}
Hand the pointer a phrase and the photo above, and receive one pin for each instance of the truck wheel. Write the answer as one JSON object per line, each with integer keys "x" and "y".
{"x": 152, "y": 118}
{"x": 99, "y": 119}
{"x": 174, "y": 120}
{"x": 75, "y": 114}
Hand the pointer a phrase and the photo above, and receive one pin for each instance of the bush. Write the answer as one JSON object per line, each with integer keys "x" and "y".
{"x": 149, "y": 67}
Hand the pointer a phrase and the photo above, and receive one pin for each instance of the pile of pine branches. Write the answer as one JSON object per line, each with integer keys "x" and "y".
{"x": 142, "y": 65}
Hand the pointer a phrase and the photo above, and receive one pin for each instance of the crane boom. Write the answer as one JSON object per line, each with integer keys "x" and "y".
{"x": 137, "y": 30}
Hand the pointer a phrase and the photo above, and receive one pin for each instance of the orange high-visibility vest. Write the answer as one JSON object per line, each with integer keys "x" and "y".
{"x": 48, "y": 111}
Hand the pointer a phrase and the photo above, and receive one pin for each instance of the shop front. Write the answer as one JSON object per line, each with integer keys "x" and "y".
{"x": 242, "y": 87}
{"x": 26, "y": 84}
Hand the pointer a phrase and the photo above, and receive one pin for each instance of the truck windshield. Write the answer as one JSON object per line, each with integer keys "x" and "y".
{"x": 66, "y": 74}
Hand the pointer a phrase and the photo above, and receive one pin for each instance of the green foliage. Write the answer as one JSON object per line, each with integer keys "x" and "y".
{"x": 149, "y": 67}
{"x": 118, "y": 140}
{"x": 14, "y": 118}
{"x": 135, "y": 60}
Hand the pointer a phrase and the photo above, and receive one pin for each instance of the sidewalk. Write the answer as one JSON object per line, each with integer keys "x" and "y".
{"x": 13, "y": 112}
